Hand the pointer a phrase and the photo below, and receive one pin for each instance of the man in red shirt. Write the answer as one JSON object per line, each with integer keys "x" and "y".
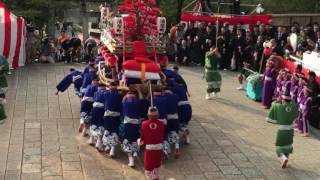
{"x": 152, "y": 136}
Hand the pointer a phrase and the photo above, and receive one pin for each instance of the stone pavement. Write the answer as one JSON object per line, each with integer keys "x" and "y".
{"x": 230, "y": 138}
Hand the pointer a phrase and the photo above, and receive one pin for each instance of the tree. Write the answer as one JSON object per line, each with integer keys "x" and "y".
{"x": 40, "y": 12}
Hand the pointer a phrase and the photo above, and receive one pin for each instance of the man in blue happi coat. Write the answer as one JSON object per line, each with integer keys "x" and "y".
{"x": 86, "y": 106}
{"x": 87, "y": 78}
{"x": 132, "y": 107}
{"x": 91, "y": 63}
{"x": 184, "y": 107}
{"x": 172, "y": 128}
{"x": 75, "y": 78}
{"x": 97, "y": 112}
{"x": 111, "y": 120}
{"x": 160, "y": 102}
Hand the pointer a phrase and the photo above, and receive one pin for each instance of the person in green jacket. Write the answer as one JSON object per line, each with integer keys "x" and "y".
{"x": 211, "y": 74}
{"x": 4, "y": 69}
{"x": 286, "y": 113}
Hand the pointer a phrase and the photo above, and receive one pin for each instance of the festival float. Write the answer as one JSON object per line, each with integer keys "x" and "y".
{"x": 132, "y": 42}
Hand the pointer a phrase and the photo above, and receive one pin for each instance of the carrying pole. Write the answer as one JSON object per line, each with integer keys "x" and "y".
{"x": 150, "y": 91}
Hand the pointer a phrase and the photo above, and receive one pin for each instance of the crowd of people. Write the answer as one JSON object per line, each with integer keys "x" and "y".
{"x": 291, "y": 97}
{"x": 153, "y": 116}
{"x": 45, "y": 48}
{"x": 239, "y": 44}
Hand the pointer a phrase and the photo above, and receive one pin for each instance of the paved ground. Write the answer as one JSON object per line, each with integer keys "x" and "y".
{"x": 230, "y": 139}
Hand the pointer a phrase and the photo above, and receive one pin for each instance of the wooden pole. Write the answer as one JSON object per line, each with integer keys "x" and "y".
{"x": 217, "y": 27}
{"x": 151, "y": 95}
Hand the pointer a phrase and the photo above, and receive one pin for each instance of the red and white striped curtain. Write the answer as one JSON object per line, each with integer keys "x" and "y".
{"x": 13, "y": 35}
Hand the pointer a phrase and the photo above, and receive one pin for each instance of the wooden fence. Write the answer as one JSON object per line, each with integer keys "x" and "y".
{"x": 289, "y": 19}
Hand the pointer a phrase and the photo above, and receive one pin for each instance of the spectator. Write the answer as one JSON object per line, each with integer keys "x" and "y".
{"x": 182, "y": 56}
{"x": 257, "y": 54}
{"x": 318, "y": 42}
{"x": 281, "y": 36}
{"x": 191, "y": 30}
{"x": 313, "y": 83}
{"x": 276, "y": 49}
{"x": 196, "y": 51}
{"x": 238, "y": 45}
{"x": 262, "y": 32}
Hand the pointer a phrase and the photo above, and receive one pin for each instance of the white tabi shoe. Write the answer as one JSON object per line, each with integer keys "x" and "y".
{"x": 99, "y": 144}
{"x": 187, "y": 139}
{"x": 177, "y": 151}
{"x": 213, "y": 95}
{"x": 107, "y": 149}
{"x": 131, "y": 161}
{"x": 90, "y": 140}
{"x": 241, "y": 88}
{"x": 84, "y": 132}
{"x": 208, "y": 96}
{"x": 112, "y": 152}
{"x": 284, "y": 161}
{"x": 135, "y": 154}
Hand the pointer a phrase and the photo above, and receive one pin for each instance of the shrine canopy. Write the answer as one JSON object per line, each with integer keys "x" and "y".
{"x": 250, "y": 20}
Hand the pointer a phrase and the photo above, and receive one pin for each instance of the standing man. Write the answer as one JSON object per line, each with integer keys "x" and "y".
{"x": 212, "y": 75}
{"x": 4, "y": 69}
{"x": 152, "y": 136}
{"x": 286, "y": 113}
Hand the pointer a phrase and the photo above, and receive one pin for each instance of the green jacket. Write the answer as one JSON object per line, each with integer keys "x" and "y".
{"x": 4, "y": 69}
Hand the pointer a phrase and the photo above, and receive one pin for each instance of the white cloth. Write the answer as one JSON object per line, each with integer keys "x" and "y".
{"x": 137, "y": 74}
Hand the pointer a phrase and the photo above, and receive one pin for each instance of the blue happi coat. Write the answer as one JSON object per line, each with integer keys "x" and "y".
{"x": 74, "y": 77}
{"x": 113, "y": 106}
{"x": 87, "y": 102}
{"x": 172, "y": 112}
{"x": 132, "y": 111}
{"x": 160, "y": 102}
{"x": 87, "y": 79}
{"x": 184, "y": 107}
{"x": 86, "y": 68}
{"x": 98, "y": 107}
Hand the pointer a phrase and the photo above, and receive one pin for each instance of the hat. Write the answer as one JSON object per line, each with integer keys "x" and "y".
{"x": 153, "y": 111}
{"x": 163, "y": 60}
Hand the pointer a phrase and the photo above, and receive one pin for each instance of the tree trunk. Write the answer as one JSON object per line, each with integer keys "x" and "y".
{"x": 179, "y": 8}
{"x": 85, "y": 28}
{"x": 51, "y": 22}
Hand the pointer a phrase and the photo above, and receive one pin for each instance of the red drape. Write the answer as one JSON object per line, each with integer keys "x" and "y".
{"x": 232, "y": 20}
{"x": 292, "y": 67}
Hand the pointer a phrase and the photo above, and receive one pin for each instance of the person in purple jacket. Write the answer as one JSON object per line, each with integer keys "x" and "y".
{"x": 294, "y": 87}
{"x": 269, "y": 81}
{"x": 304, "y": 115}
{"x": 300, "y": 96}
{"x": 279, "y": 83}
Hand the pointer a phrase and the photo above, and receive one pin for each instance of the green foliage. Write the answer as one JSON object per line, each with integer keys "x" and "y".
{"x": 39, "y": 11}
